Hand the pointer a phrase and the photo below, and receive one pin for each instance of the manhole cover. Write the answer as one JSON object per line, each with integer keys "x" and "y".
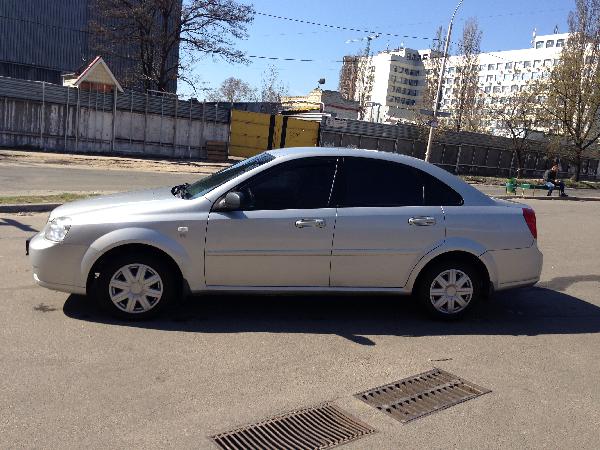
{"x": 422, "y": 394}
{"x": 321, "y": 427}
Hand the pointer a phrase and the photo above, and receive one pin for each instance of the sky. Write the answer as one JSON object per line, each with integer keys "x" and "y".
{"x": 506, "y": 25}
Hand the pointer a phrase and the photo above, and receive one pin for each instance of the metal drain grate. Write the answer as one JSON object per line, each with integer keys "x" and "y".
{"x": 422, "y": 394}
{"x": 324, "y": 426}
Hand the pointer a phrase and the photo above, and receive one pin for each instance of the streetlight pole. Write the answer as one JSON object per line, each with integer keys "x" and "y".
{"x": 438, "y": 94}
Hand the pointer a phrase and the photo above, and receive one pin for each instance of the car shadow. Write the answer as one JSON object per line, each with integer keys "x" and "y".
{"x": 15, "y": 223}
{"x": 530, "y": 311}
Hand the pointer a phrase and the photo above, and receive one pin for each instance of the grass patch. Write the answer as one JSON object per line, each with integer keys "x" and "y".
{"x": 55, "y": 198}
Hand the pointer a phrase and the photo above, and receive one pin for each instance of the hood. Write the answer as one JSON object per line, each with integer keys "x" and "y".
{"x": 137, "y": 199}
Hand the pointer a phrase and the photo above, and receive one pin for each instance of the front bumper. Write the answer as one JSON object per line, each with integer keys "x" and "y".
{"x": 57, "y": 265}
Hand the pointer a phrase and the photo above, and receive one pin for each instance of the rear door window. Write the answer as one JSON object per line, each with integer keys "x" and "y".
{"x": 366, "y": 182}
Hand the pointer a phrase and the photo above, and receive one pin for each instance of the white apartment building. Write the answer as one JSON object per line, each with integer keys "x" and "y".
{"x": 503, "y": 73}
{"x": 393, "y": 84}
{"x": 399, "y": 76}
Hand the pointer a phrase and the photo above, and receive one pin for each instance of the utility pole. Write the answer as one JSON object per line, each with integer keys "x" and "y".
{"x": 438, "y": 95}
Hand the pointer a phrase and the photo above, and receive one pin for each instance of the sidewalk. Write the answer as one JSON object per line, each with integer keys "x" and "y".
{"x": 500, "y": 191}
{"x": 62, "y": 160}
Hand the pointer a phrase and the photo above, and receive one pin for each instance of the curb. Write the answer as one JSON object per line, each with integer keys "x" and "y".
{"x": 530, "y": 197}
{"x": 29, "y": 207}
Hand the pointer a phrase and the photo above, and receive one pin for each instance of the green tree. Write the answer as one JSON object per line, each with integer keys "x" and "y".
{"x": 516, "y": 116}
{"x": 571, "y": 92}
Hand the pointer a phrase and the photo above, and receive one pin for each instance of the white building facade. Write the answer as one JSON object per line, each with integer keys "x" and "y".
{"x": 399, "y": 77}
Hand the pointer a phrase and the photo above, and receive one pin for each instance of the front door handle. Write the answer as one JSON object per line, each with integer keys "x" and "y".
{"x": 303, "y": 223}
{"x": 422, "y": 221}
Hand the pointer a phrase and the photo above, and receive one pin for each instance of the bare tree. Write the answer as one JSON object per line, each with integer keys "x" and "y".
{"x": 572, "y": 88}
{"x": 233, "y": 90}
{"x": 433, "y": 66}
{"x": 465, "y": 111}
{"x": 516, "y": 115}
{"x": 151, "y": 33}
{"x": 272, "y": 88}
{"x": 349, "y": 76}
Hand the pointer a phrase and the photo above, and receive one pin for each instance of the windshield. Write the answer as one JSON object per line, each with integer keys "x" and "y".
{"x": 205, "y": 185}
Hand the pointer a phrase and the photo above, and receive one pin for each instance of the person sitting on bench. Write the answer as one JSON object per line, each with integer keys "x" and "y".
{"x": 551, "y": 182}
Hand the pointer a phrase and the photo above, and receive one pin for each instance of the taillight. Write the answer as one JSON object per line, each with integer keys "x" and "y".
{"x": 529, "y": 216}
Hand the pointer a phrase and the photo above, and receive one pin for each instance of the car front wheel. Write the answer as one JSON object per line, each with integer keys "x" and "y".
{"x": 135, "y": 288}
{"x": 449, "y": 289}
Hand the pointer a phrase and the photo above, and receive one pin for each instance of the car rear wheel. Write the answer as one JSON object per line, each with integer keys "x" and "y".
{"x": 135, "y": 287}
{"x": 448, "y": 290}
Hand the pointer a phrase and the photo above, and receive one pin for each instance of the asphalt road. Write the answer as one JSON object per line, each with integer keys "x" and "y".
{"x": 39, "y": 180}
{"x": 70, "y": 377}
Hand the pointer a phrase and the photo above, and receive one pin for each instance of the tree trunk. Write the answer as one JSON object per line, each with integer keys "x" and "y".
{"x": 578, "y": 153}
{"x": 519, "y": 156}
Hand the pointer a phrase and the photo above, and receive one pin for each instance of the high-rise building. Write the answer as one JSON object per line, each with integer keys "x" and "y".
{"x": 41, "y": 40}
{"x": 399, "y": 77}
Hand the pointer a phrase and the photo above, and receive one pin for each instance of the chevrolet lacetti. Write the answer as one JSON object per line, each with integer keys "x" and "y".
{"x": 312, "y": 220}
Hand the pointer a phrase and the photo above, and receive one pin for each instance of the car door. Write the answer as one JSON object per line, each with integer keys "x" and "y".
{"x": 387, "y": 220}
{"x": 283, "y": 236}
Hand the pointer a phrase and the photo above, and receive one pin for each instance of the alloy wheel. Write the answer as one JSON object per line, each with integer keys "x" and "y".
{"x": 135, "y": 288}
{"x": 451, "y": 291}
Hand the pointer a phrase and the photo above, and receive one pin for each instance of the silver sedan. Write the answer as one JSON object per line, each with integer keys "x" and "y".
{"x": 293, "y": 220}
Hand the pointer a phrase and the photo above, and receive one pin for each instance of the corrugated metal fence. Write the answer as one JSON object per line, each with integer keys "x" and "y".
{"x": 46, "y": 116}
{"x": 462, "y": 153}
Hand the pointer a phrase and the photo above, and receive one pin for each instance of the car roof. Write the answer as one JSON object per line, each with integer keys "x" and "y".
{"x": 470, "y": 194}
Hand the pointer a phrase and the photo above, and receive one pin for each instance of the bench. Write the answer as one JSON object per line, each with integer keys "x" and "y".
{"x": 512, "y": 186}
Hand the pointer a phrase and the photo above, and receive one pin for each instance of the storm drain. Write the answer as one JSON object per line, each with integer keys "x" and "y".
{"x": 321, "y": 427}
{"x": 423, "y": 394}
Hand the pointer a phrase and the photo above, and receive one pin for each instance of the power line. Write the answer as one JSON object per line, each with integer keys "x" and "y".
{"x": 16, "y": 19}
{"x": 338, "y": 27}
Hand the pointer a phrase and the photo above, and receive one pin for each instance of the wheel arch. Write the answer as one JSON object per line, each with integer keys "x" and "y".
{"x": 132, "y": 248}
{"x": 132, "y": 240}
{"x": 483, "y": 265}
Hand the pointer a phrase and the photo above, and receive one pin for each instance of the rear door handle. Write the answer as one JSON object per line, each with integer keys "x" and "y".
{"x": 422, "y": 221}
{"x": 303, "y": 223}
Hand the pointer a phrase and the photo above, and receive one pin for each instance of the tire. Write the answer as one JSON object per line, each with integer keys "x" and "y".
{"x": 119, "y": 290}
{"x": 463, "y": 288}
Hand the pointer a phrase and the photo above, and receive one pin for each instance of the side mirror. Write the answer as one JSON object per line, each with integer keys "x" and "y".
{"x": 231, "y": 202}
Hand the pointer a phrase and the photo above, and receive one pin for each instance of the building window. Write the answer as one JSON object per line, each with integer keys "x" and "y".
{"x": 535, "y": 75}
{"x": 526, "y": 64}
{"x": 482, "y": 67}
{"x": 537, "y": 63}
{"x": 497, "y": 89}
{"x": 498, "y": 66}
{"x": 505, "y": 89}
{"x": 518, "y": 65}
{"x": 491, "y": 67}
{"x": 488, "y": 89}
{"x": 556, "y": 62}
{"x": 516, "y": 76}
{"x": 560, "y": 43}
{"x": 539, "y": 44}
{"x": 507, "y": 77}
{"x": 481, "y": 79}
{"x": 489, "y": 78}
{"x": 514, "y": 88}
{"x": 508, "y": 66}
{"x": 547, "y": 63}
{"x": 549, "y": 44}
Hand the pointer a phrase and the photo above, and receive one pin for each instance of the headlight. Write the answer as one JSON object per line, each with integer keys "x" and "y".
{"x": 57, "y": 229}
